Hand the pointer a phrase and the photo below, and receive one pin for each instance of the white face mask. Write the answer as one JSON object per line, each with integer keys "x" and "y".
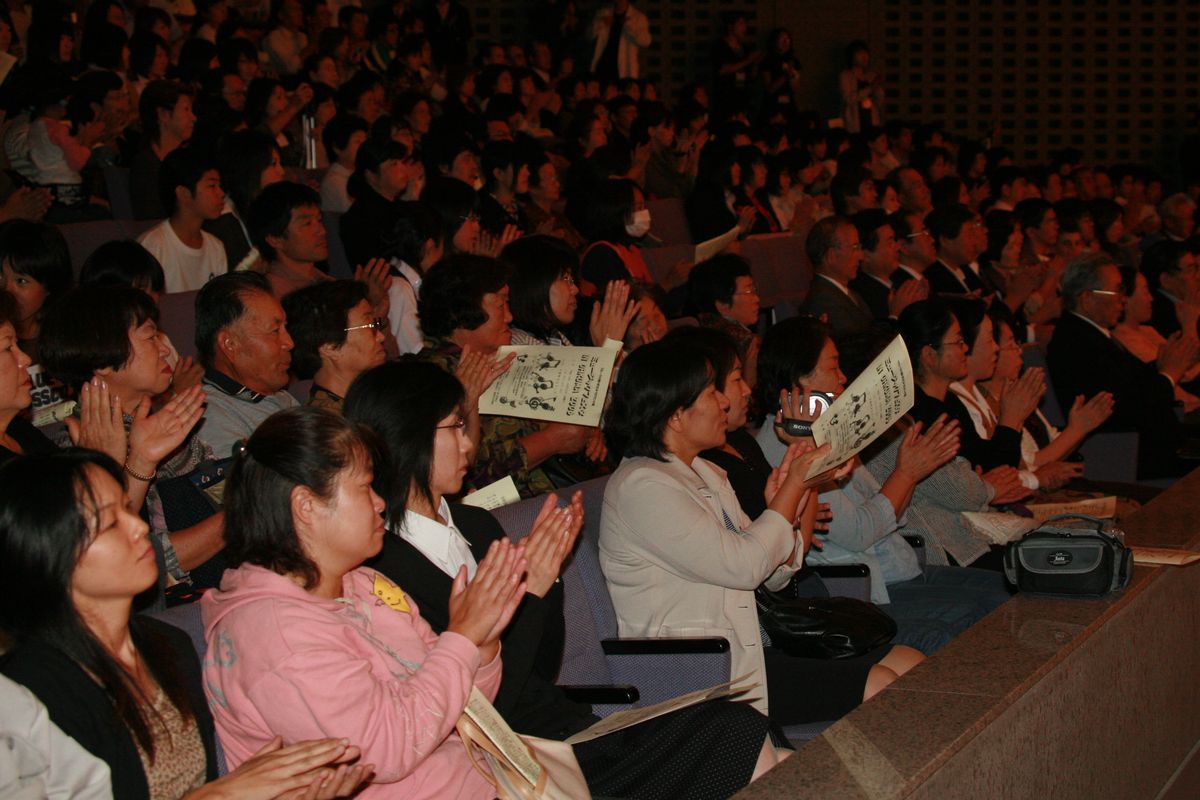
{"x": 640, "y": 225}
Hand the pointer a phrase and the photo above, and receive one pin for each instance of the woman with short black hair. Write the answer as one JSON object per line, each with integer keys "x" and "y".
{"x": 680, "y": 555}
{"x": 103, "y": 342}
{"x": 336, "y": 338}
{"x": 544, "y": 292}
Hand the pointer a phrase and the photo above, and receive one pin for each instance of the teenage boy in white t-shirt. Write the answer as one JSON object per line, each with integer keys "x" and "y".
{"x": 191, "y": 193}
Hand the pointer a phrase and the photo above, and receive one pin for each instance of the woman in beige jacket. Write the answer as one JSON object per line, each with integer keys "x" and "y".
{"x": 682, "y": 559}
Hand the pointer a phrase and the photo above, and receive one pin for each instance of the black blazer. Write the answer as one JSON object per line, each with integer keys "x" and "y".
{"x": 84, "y": 711}
{"x": 532, "y": 645}
{"x": 1162, "y": 314}
{"x": 1003, "y": 449}
{"x": 847, "y": 315}
{"x": 1083, "y": 361}
{"x": 873, "y": 293}
{"x": 943, "y": 281}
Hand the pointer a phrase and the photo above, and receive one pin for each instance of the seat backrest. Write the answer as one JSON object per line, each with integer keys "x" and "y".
{"x": 1034, "y": 356}
{"x": 177, "y": 319}
{"x": 668, "y": 221}
{"x": 116, "y": 181}
{"x": 84, "y": 237}
{"x": 660, "y": 260}
{"x": 187, "y": 618}
{"x": 339, "y": 265}
{"x": 583, "y": 661}
{"x": 781, "y": 270}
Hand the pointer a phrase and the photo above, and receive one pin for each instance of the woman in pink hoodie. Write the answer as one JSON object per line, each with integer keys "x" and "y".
{"x": 303, "y": 640}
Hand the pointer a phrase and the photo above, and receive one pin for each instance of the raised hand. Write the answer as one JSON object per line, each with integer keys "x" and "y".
{"x": 905, "y": 295}
{"x": 596, "y": 450}
{"x": 152, "y": 437}
{"x": 101, "y": 424}
{"x": 921, "y": 454}
{"x": 551, "y": 541}
{"x": 1089, "y": 415}
{"x": 481, "y": 609}
{"x": 800, "y": 465}
{"x": 1178, "y": 355}
{"x": 477, "y": 371}
{"x": 377, "y": 275}
{"x": 793, "y": 404}
{"x": 186, "y": 375}
{"x": 780, "y": 474}
{"x": 1021, "y": 398}
{"x": 611, "y": 316}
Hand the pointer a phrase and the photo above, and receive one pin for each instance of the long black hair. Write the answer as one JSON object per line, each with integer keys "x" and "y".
{"x": 46, "y": 507}
{"x": 402, "y": 403}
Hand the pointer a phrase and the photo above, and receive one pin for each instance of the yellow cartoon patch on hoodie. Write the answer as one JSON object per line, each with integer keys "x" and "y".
{"x": 390, "y": 593}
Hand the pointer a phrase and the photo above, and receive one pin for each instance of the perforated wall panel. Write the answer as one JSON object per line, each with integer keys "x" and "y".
{"x": 1119, "y": 80}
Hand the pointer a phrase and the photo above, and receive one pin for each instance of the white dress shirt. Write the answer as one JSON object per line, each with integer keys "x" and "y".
{"x": 443, "y": 545}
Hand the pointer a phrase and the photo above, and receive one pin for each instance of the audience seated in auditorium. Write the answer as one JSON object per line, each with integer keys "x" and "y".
{"x": 930, "y": 606}
{"x": 668, "y": 559}
{"x": 415, "y": 408}
{"x": 1083, "y": 359}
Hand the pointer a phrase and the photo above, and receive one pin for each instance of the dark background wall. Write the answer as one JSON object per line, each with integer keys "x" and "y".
{"x": 1118, "y": 79}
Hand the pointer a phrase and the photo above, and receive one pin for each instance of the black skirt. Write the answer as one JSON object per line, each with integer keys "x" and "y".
{"x": 704, "y": 752}
{"x": 813, "y": 689}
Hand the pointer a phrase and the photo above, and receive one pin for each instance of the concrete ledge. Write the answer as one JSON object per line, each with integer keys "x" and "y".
{"x": 1062, "y": 698}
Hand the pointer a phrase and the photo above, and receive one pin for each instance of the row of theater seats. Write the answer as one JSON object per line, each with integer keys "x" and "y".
{"x": 598, "y": 666}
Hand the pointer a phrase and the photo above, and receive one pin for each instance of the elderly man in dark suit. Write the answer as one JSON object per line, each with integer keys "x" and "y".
{"x": 836, "y": 254}
{"x": 1084, "y": 359}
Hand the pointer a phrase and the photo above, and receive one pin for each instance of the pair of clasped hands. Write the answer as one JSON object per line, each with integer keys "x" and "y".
{"x": 481, "y": 609}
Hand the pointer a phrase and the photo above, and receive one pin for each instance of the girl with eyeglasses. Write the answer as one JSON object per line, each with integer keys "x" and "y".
{"x": 415, "y": 409}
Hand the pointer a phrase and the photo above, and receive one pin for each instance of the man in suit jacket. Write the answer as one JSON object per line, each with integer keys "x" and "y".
{"x": 1173, "y": 274}
{"x": 917, "y": 248}
{"x": 533, "y": 642}
{"x": 881, "y": 256}
{"x": 881, "y": 263}
{"x": 835, "y": 253}
{"x": 961, "y": 238}
{"x": 1084, "y": 359}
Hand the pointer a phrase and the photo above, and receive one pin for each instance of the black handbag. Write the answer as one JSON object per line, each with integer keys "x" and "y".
{"x": 822, "y": 627}
{"x": 1077, "y": 562}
